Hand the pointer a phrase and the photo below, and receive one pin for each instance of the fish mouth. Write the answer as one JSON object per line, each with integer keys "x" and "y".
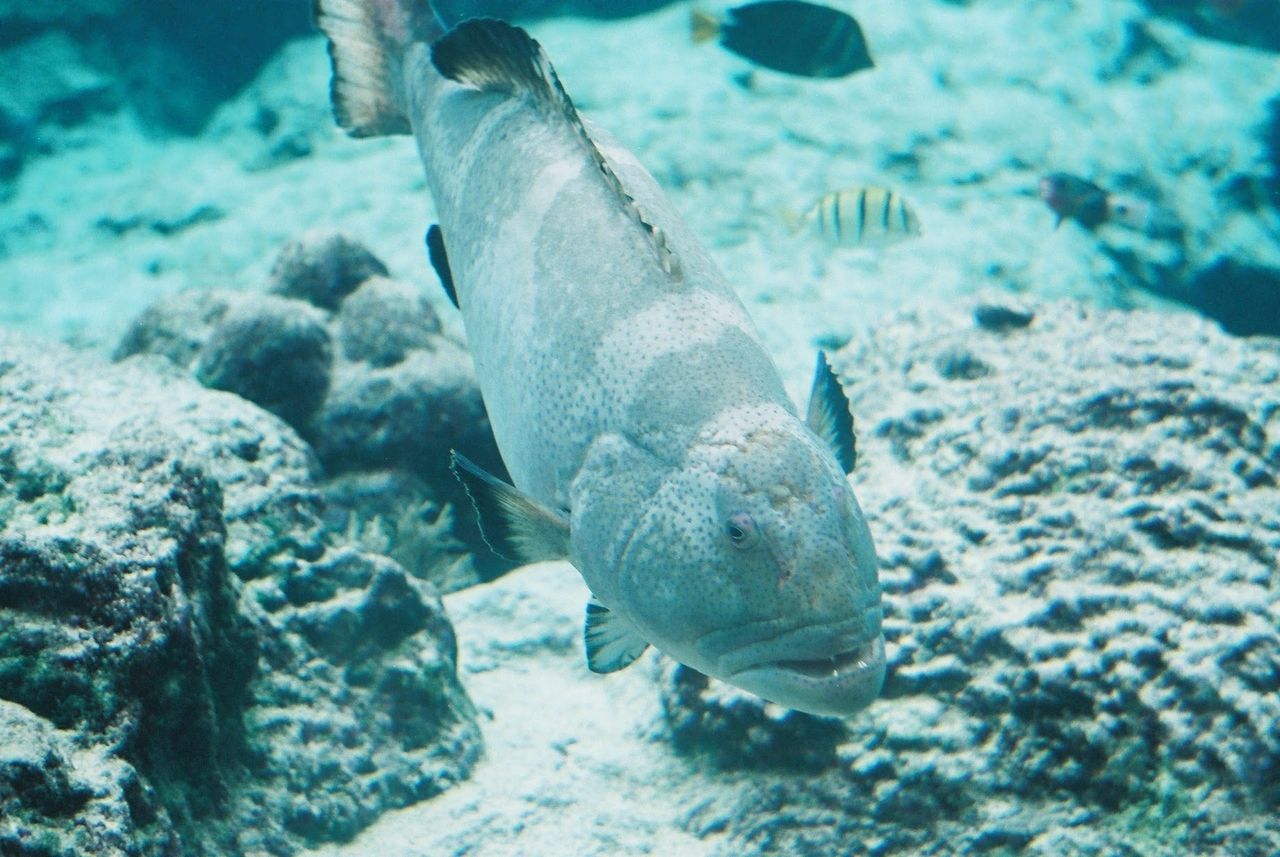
{"x": 835, "y": 685}
{"x": 853, "y": 660}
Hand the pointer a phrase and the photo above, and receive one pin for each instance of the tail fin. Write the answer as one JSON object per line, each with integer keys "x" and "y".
{"x": 367, "y": 41}
{"x": 703, "y": 26}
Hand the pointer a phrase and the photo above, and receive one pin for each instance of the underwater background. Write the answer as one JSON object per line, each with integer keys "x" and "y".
{"x": 244, "y": 609}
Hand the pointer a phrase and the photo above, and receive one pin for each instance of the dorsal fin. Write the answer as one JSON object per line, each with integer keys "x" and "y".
{"x": 829, "y": 415}
{"x": 440, "y": 261}
{"x": 493, "y": 56}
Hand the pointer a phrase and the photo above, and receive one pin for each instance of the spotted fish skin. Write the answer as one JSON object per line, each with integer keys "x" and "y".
{"x": 862, "y": 217}
{"x": 628, "y": 389}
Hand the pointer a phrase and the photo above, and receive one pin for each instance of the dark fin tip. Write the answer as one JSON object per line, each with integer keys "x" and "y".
{"x": 440, "y": 261}
{"x": 610, "y": 643}
{"x": 493, "y": 56}
{"x": 480, "y": 488}
{"x": 514, "y": 525}
{"x": 830, "y": 415}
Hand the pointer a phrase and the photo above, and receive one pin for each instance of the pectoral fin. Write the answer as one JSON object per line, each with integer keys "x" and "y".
{"x": 829, "y": 415}
{"x": 440, "y": 261}
{"x": 513, "y": 524}
{"x": 611, "y": 642}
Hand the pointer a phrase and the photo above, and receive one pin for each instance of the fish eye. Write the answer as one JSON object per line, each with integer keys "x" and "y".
{"x": 741, "y": 530}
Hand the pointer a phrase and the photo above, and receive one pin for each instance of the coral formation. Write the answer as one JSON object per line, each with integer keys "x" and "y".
{"x": 383, "y": 320}
{"x": 322, "y": 267}
{"x": 1078, "y": 546}
{"x": 359, "y": 364}
{"x": 274, "y": 352}
{"x": 209, "y": 672}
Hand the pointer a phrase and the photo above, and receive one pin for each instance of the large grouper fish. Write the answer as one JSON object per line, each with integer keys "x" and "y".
{"x": 648, "y": 435}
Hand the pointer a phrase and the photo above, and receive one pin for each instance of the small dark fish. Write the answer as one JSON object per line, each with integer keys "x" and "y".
{"x": 1072, "y": 197}
{"x": 790, "y": 36}
{"x": 1083, "y": 201}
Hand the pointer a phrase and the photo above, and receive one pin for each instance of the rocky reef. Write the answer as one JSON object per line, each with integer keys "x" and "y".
{"x": 131, "y": 52}
{"x": 188, "y": 664}
{"x": 359, "y": 364}
{"x": 1076, "y": 514}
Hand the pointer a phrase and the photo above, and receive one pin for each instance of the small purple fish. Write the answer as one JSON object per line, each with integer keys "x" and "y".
{"x": 1083, "y": 201}
{"x": 1072, "y": 197}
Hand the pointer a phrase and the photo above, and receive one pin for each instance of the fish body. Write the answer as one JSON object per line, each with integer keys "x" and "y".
{"x": 859, "y": 217}
{"x": 790, "y": 36}
{"x": 1074, "y": 198}
{"x": 647, "y": 432}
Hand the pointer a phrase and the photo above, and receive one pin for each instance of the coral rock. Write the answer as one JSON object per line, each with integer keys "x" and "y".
{"x": 382, "y": 320}
{"x": 198, "y": 671}
{"x": 409, "y": 415}
{"x": 178, "y": 326}
{"x": 274, "y": 352}
{"x": 322, "y": 268}
{"x": 1078, "y": 555}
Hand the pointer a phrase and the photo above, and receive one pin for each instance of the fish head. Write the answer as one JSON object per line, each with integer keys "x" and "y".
{"x": 753, "y": 563}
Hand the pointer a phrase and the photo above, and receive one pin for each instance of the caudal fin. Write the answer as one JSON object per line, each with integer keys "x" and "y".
{"x": 367, "y": 42}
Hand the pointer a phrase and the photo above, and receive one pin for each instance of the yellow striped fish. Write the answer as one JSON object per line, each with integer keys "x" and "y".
{"x": 859, "y": 217}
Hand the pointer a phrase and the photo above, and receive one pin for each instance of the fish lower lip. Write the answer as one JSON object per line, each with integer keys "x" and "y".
{"x": 836, "y": 685}
{"x": 853, "y": 660}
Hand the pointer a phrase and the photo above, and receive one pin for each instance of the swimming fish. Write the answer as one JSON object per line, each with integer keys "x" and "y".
{"x": 790, "y": 36}
{"x": 1083, "y": 201}
{"x": 858, "y": 217}
{"x": 647, "y": 432}
{"x": 1072, "y": 197}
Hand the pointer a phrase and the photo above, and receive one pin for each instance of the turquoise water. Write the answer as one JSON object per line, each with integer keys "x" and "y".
{"x": 1069, "y": 441}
